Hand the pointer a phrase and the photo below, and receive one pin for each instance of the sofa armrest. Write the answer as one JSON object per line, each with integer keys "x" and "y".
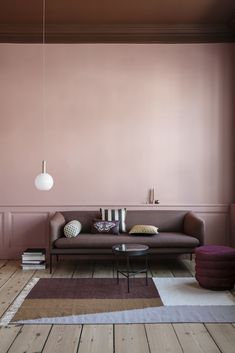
{"x": 56, "y": 223}
{"x": 194, "y": 226}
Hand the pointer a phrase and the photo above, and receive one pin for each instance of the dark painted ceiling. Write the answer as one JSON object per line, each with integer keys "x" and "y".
{"x": 73, "y": 20}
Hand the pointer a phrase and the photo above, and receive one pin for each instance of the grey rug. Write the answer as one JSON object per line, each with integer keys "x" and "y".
{"x": 166, "y": 314}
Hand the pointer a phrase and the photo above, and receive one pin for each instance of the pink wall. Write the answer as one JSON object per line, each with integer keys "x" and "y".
{"x": 119, "y": 120}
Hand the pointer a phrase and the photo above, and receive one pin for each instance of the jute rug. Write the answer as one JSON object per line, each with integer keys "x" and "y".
{"x": 94, "y": 301}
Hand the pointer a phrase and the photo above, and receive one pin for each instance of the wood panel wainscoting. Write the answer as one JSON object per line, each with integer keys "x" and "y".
{"x": 28, "y": 226}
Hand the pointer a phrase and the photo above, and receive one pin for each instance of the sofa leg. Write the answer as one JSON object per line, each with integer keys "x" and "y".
{"x": 50, "y": 264}
{"x": 191, "y": 257}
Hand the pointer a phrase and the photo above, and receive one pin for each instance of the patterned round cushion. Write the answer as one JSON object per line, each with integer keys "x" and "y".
{"x": 72, "y": 229}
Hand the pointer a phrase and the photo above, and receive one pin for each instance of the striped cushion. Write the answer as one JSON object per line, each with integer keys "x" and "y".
{"x": 109, "y": 214}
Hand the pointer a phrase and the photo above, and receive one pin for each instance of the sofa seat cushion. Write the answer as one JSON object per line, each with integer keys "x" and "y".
{"x": 106, "y": 241}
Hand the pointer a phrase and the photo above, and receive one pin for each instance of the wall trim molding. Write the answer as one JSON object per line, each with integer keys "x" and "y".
{"x": 201, "y": 208}
{"x": 127, "y": 204}
{"x": 110, "y": 33}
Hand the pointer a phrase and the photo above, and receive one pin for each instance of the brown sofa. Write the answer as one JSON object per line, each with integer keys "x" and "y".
{"x": 180, "y": 232}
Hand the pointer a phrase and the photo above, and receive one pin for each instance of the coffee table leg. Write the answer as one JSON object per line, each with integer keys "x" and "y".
{"x": 146, "y": 266}
{"x": 50, "y": 263}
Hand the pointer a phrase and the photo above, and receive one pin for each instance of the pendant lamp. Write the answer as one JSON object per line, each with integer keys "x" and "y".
{"x": 43, "y": 181}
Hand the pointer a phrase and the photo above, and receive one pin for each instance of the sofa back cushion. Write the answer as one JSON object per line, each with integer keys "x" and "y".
{"x": 84, "y": 217}
{"x": 166, "y": 221}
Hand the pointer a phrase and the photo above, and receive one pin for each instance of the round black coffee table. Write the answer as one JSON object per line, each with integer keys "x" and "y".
{"x": 128, "y": 251}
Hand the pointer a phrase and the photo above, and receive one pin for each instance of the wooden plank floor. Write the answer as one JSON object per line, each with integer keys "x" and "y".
{"x": 138, "y": 338}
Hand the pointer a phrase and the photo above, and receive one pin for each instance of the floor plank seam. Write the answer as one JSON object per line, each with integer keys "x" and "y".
{"x": 113, "y": 338}
{"x": 46, "y": 339}
{"x": 9, "y": 278}
{"x": 17, "y": 335}
{"x": 3, "y": 264}
{"x": 177, "y": 337}
{"x": 211, "y": 336}
{"x": 147, "y": 339}
{"x": 79, "y": 340}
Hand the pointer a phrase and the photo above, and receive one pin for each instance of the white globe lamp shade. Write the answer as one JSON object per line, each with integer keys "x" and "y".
{"x": 43, "y": 181}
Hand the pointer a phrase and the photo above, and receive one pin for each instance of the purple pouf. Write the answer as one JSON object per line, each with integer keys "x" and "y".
{"x": 215, "y": 267}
